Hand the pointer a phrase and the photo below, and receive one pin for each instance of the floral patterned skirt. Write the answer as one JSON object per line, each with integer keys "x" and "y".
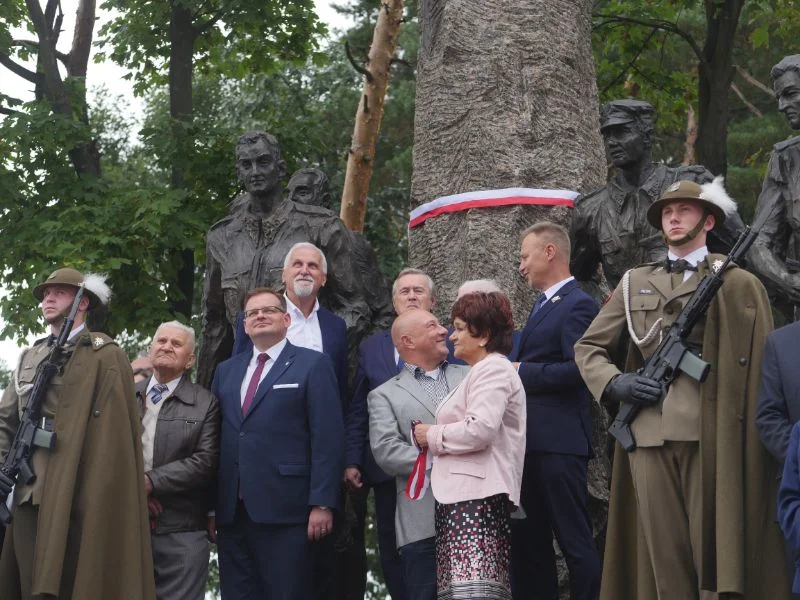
{"x": 473, "y": 549}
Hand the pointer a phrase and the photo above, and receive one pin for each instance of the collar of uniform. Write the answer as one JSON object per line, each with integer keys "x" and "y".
{"x": 693, "y": 258}
{"x": 293, "y": 311}
{"x": 651, "y": 186}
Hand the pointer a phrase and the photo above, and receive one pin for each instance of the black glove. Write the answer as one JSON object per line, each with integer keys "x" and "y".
{"x": 633, "y": 389}
{"x": 5, "y": 487}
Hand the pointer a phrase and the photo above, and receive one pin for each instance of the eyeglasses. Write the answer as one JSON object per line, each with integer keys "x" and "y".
{"x": 264, "y": 310}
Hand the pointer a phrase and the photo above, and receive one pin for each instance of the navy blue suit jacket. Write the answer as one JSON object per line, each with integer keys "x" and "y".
{"x": 779, "y": 391}
{"x": 559, "y": 404}
{"x": 287, "y": 454}
{"x": 376, "y": 365}
{"x": 334, "y": 344}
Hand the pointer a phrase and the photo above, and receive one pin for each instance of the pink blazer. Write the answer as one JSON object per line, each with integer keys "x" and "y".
{"x": 478, "y": 442}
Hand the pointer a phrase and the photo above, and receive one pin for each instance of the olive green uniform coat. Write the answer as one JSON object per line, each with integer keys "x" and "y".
{"x": 742, "y": 548}
{"x": 92, "y": 539}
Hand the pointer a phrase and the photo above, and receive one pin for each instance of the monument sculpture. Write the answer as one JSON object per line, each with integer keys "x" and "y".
{"x": 246, "y": 249}
{"x": 609, "y": 225}
{"x": 775, "y": 255}
{"x": 309, "y": 186}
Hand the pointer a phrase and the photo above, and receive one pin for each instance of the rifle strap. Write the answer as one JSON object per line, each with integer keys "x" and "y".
{"x": 626, "y": 297}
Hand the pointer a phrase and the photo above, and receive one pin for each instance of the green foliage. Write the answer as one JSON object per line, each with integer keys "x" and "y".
{"x": 232, "y": 38}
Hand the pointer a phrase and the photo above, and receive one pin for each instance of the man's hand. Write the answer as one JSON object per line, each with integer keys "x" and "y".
{"x": 633, "y": 389}
{"x": 320, "y": 523}
{"x": 352, "y": 477}
{"x": 148, "y": 485}
{"x": 421, "y": 434}
{"x": 211, "y": 529}
{"x": 6, "y": 485}
{"x": 155, "y": 507}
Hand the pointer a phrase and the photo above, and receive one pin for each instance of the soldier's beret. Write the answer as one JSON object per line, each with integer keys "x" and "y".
{"x": 618, "y": 112}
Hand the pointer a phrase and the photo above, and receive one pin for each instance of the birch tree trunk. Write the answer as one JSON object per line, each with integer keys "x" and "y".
{"x": 369, "y": 114}
{"x": 506, "y": 97}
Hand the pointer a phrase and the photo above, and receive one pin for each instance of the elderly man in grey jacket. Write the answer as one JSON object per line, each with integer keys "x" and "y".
{"x": 412, "y": 395}
{"x": 180, "y": 442}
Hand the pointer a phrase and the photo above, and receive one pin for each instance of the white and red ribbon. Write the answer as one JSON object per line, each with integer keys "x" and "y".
{"x": 490, "y": 199}
{"x": 420, "y": 479}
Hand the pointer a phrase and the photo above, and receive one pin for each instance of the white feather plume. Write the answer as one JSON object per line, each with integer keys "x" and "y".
{"x": 715, "y": 193}
{"x": 96, "y": 283}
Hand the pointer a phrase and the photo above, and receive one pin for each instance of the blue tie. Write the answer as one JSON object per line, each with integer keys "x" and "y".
{"x": 157, "y": 392}
{"x": 539, "y": 304}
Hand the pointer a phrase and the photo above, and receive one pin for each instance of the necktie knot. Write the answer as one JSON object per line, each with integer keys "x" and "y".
{"x": 262, "y": 358}
{"x": 157, "y": 392}
{"x": 679, "y": 266}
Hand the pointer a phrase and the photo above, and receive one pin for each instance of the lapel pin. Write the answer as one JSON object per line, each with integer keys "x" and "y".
{"x": 646, "y": 292}
{"x": 716, "y": 265}
{"x": 555, "y": 299}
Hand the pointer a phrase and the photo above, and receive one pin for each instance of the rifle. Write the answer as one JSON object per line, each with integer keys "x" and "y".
{"x": 29, "y": 434}
{"x": 673, "y": 355}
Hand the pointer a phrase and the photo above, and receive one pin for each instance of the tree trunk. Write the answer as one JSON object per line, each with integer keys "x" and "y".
{"x": 716, "y": 74}
{"x": 182, "y": 36}
{"x": 369, "y": 114}
{"x": 506, "y": 97}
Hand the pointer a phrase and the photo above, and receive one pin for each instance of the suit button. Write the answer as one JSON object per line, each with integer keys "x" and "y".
{"x": 743, "y": 361}
{"x": 241, "y": 434}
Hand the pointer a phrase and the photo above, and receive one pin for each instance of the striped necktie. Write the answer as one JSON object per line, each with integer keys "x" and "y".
{"x": 157, "y": 392}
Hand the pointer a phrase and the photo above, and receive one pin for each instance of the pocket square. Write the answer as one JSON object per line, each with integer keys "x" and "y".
{"x": 282, "y": 386}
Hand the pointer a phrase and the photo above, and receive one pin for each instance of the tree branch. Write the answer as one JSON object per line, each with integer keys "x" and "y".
{"x": 754, "y": 82}
{"x": 215, "y": 16}
{"x": 82, "y": 38}
{"x": 9, "y": 111}
{"x": 663, "y": 26}
{"x": 34, "y": 45}
{"x": 50, "y": 12}
{"x": 630, "y": 63}
{"x": 18, "y": 69}
{"x": 747, "y": 103}
{"x": 356, "y": 66}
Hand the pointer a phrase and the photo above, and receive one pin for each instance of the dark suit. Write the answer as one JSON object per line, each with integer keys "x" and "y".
{"x": 559, "y": 433}
{"x": 779, "y": 392}
{"x": 276, "y": 463}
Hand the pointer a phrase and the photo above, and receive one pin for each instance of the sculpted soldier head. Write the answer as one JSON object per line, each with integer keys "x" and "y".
{"x": 627, "y": 128}
{"x": 310, "y": 186}
{"x": 786, "y": 82}
{"x": 258, "y": 163}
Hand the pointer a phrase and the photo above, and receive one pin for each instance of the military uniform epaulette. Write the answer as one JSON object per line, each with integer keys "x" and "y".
{"x": 223, "y": 221}
{"x": 787, "y": 143}
{"x": 585, "y": 197}
{"x": 695, "y": 169}
{"x": 100, "y": 340}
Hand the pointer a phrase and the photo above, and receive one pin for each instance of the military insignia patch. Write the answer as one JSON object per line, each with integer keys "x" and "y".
{"x": 646, "y": 292}
{"x": 716, "y": 265}
{"x": 98, "y": 341}
{"x": 674, "y": 187}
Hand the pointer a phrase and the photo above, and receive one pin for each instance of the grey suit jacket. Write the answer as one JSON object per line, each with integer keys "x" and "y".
{"x": 392, "y": 407}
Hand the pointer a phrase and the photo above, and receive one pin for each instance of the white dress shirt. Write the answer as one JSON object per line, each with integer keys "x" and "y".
{"x": 150, "y": 419}
{"x": 304, "y": 331}
{"x": 274, "y": 352}
{"x": 693, "y": 258}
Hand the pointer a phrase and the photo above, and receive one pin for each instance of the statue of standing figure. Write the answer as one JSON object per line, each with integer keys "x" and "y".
{"x": 775, "y": 255}
{"x": 246, "y": 249}
{"x": 609, "y": 225}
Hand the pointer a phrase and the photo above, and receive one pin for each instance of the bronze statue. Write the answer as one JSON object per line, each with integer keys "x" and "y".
{"x": 246, "y": 249}
{"x": 609, "y": 225}
{"x": 310, "y": 186}
{"x": 775, "y": 255}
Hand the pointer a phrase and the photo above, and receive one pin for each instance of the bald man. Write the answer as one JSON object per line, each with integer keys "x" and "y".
{"x": 412, "y": 395}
